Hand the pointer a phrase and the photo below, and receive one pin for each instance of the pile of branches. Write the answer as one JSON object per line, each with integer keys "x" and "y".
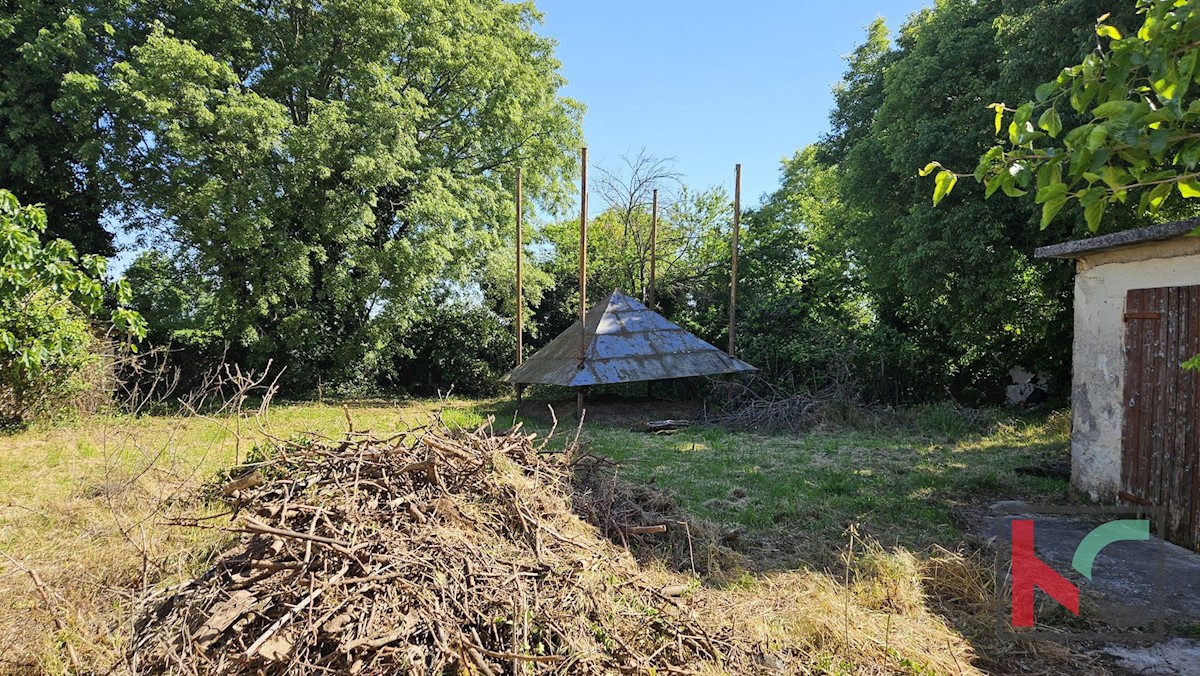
{"x": 650, "y": 523}
{"x": 428, "y": 551}
{"x": 758, "y": 404}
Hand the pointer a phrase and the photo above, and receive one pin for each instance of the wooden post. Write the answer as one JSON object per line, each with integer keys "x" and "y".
{"x": 583, "y": 213}
{"x": 733, "y": 275}
{"x": 520, "y": 246}
{"x": 520, "y": 296}
{"x": 653, "y": 267}
{"x": 653, "y": 248}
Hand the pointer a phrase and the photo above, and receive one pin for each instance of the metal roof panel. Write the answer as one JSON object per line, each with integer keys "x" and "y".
{"x": 623, "y": 341}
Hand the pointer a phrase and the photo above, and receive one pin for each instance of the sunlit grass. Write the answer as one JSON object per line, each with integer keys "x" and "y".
{"x": 81, "y": 502}
{"x": 902, "y": 487}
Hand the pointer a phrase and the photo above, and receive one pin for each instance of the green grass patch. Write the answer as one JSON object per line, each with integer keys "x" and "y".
{"x": 920, "y": 483}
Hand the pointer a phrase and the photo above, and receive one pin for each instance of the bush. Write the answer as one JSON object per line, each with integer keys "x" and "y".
{"x": 48, "y": 295}
{"x": 457, "y": 345}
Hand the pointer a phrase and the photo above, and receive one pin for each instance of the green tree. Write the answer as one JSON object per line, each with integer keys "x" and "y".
{"x": 959, "y": 285}
{"x": 692, "y": 284}
{"x": 44, "y": 154}
{"x": 803, "y": 315}
{"x": 323, "y": 165}
{"x": 48, "y": 293}
{"x": 1137, "y": 127}
{"x": 174, "y": 302}
{"x": 1131, "y": 128}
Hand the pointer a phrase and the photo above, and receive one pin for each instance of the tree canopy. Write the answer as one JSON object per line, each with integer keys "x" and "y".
{"x": 320, "y": 166}
{"x": 43, "y": 151}
{"x": 955, "y": 291}
{"x": 329, "y": 185}
{"x": 1133, "y": 127}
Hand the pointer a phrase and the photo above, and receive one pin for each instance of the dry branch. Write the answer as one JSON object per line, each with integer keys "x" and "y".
{"x": 428, "y": 552}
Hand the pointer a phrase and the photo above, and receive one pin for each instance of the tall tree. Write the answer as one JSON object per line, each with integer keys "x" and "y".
{"x": 44, "y": 154}
{"x": 692, "y": 253}
{"x": 627, "y": 193}
{"x": 324, "y": 164}
{"x": 927, "y": 269}
{"x": 803, "y": 314}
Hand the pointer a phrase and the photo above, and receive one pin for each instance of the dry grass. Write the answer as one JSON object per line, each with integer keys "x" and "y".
{"x": 83, "y": 507}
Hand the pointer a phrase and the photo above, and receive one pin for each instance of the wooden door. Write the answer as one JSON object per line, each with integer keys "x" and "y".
{"x": 1160, "y": 449}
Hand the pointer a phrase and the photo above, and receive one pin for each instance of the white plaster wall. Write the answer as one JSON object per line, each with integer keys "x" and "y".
{"x": 1099, "y": 351}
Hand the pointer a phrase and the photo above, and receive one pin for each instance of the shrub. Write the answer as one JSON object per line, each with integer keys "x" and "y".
{"x": 456, "y": 344}
{"x": 48, "y": 295}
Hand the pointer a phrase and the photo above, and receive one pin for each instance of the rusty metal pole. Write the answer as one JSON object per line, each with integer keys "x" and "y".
{"x": 583, "y": 213}
{"x": 733, "y": 275}
{"x": 520, "y": 297}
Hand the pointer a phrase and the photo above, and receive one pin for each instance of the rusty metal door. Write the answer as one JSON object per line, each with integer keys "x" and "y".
{"x": 1160, "y": 449}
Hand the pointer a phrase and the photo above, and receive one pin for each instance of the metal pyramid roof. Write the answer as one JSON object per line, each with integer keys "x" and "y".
{"x": 623, "y": 342}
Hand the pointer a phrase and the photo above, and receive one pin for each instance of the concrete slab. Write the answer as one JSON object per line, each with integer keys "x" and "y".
{"x": 1124, "y": 587}
{"x": 1177, "y": 657}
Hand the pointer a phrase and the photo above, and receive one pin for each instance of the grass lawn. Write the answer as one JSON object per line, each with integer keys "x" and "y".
{"x": 83, "y": 504}
{"x": 802, "y": 493}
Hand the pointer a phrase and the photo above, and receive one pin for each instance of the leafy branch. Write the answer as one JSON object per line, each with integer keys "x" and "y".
{"x": 1143, "y": 133}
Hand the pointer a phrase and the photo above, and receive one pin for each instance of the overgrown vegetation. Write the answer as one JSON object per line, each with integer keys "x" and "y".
{"x": 344, "y": 218}
{"x": 49, "y": 296}
{"x": 840, "y": 572}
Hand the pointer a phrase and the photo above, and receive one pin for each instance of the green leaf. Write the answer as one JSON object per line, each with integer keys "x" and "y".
{"x": 1044, "y": 91}
{"x": 1159, "y": 138}
{"x": 1097, "y": 137}
{"x": 1052, "y": 191}
{"x": 1050, "y": 173}
{"x": 1189, "y": 189}
{"x": 992, "y": 184}
{"x": 1110, "y": 108}
{"x": 1050, "y": 122}
{"x": 1113, "y": 177}
{"x": 1152, "y": 201}
{"x": 1012, "y": 190}
{"x": 1050, "y": 209}
{"x": 944, "y": 184}
{"x": 1022, "y": 116}
{"x": 987, "y": 161}
{"x": 1106, "y": 31}
{"x": 1093, "y": 213}
{"x": 928, "y": 169}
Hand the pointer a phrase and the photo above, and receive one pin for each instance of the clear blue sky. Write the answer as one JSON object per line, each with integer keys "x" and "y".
{"x": 709, "y": 82}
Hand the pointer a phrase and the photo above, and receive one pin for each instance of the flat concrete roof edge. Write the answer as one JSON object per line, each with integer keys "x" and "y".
{"x": 1153, "y": 233}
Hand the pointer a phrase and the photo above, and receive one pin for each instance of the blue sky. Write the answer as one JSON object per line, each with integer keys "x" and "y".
{"x": 709, "y": 82}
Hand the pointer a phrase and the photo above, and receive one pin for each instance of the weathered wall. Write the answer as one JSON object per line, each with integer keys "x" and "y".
{"x": 1098, "y": 387}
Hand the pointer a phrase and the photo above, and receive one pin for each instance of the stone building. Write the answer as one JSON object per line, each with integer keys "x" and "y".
{"x": 1135, "y": 411}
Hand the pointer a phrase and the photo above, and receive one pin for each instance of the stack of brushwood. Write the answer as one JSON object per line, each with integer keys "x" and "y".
{"x": 425, "y": 552}
{"x": 649, "y": 521}
{"x": 757, "y": 404}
